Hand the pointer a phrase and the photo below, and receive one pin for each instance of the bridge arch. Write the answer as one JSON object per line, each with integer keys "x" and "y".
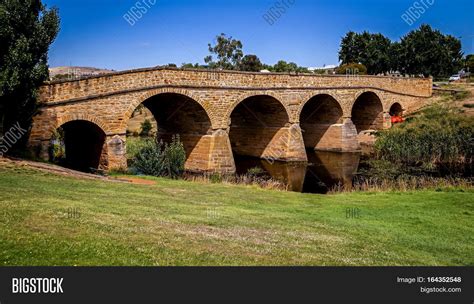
{"x": 84, "y": 117}
{"x": 306, "y": 98}
{"x": 320, "y": 119}
{"x": 178, "y": 114}
{"x": 260, "y": 127}
{"x": 395, "y": 109}
{"x": 245, "y": 96}
{"x": 84, "y": 142}
{"x": 140, "y": 99}
{"x": 367, "y": 111}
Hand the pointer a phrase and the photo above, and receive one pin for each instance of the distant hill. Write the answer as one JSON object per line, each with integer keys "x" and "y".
{"x": 73, "y": 72}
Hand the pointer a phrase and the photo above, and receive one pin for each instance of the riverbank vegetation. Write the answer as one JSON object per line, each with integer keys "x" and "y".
{"x": 439, "y": 140}
{"x": 434, "y": 148}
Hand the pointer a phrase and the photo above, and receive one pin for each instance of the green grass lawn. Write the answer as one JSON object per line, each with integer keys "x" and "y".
{"x": 185, "y": 223}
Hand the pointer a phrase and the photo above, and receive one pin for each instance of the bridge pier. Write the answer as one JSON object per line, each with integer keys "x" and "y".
{"x": 273, "y": 144}
{"x": 295, "y": 148}
{"x": 349, "y": 142}
{"x": 286, "y": 145}
{"x": 339, "y": 138}
{"x": 113, "y": 156}
{"x": 221, "y": 159}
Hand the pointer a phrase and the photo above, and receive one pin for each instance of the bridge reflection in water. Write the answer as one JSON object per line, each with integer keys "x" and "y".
{"x": 323, "y": 171}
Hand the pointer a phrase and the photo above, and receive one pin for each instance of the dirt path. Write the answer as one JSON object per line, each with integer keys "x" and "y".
{"x": 466, "y": 104}
{"x": 137, "y": 180}
{"x": 50, "y": 168}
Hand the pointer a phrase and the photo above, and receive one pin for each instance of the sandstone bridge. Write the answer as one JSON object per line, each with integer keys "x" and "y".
{"x": 220, "y": 113}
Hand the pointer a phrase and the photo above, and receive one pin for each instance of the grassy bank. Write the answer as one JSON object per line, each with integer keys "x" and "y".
{"x": 55, "y": 220}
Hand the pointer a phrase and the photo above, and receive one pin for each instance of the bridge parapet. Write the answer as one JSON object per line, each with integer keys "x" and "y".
{"x": 147, "y": 79}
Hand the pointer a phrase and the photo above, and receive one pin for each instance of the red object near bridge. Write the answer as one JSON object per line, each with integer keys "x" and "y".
{"x": 397, "y": 119}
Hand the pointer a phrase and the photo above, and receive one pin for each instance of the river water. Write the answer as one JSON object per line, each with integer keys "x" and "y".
{"x": 323, "y": 171}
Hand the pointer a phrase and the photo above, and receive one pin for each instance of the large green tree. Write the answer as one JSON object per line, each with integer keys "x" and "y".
{"x": 349, "y": 50}
{"x": 228, "y": 52}
{"x": 423, "y": 51}
{"x": 27, "y": 29}
{"x": 371, "y": 50}
{"x": 429, "y": 52}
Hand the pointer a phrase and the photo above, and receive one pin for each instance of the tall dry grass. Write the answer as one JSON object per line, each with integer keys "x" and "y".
{"x": 244, "y": 179}
{"x": 405, "y": 184}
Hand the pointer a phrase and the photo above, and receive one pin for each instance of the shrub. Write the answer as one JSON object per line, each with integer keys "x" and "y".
{"x": 352, "y": 69}
{"x": 146, "y": 128}
{"x": 134, "y": 144}
{"x": 159, "y": 159}
{"x": 255, "y": 171}
{"x": 174, "y": 158}
{"x": 148, "y": 159}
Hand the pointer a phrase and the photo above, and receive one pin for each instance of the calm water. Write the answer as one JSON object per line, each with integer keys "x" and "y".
{"x": 323, "y": 171}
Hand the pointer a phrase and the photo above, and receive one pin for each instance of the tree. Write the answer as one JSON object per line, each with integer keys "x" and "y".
{"x": 377, "y": 55}
{"x": 394, "y": 56}
{"x": 351, "y": 69}
{"x": 228, "y": 52}
{"x": 429, "y": 52}
{"x": 422, "y": 51}
{"x": 193, "y": 66}
{"x": 469, "y": 63}
{"x": 371, "y": 50}
{"x": 349, "y": 52}
{"x": 250, "y": 63}
{"x": 283, "y": 66}
{"x": 287, "y": 67}
{"x": 27, "y": 29}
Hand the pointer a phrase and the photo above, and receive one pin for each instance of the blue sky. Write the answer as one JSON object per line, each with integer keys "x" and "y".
{"x": 94, "y": 32}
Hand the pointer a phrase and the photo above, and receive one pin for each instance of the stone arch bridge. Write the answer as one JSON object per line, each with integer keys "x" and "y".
{"x": 219, "y": 114}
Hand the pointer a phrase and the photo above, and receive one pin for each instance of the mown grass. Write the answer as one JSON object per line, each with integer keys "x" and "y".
{"x": 182, "y": 223}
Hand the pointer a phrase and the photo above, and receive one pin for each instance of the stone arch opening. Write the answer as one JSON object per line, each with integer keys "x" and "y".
{"x": 396, "y": 110}
{"x": 259, "y": 128}
{"x": 176, "y": 114}
{"x": 320, "y": 120}
{"x": 367, "y": 112}
{"x": 84, "y": 146}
